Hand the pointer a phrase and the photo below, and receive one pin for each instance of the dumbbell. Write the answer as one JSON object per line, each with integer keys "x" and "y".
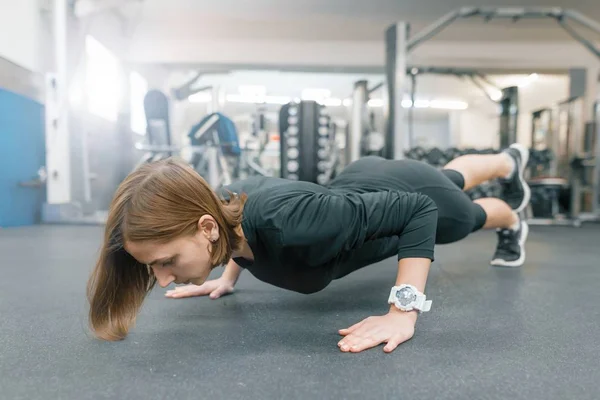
{"x": 475, "y": 193}
{"x": 410, "y": 154}
{"x": 436, "y": 157}
{"x": 495, "y": 189}
{"x": 452, "y": 153}
{"x": 488, "y": 151}
{"x": 416, "y": 153}
{"x": 486, "y": 190}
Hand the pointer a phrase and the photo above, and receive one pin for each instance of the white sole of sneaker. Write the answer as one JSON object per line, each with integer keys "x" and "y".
{"x": 517, "y": 263}
{"x": 526, "y": 190}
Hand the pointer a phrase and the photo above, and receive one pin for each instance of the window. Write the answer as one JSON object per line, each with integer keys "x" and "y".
{"x": 102, "y": 80}
{"x": 138, "y": 89}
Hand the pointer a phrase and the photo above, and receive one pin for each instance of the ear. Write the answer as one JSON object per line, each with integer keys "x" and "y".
{"x": 209, "y": 228}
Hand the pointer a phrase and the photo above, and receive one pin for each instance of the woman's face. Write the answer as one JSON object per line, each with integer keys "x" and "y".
{"x": 183, "y": 260}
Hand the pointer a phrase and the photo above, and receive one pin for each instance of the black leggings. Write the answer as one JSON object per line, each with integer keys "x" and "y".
{"x": 458, "y": 216}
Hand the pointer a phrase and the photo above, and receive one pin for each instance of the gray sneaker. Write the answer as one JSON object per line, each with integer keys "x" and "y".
{"x": 510, "y": 251}
{"x": 515, "y": 190}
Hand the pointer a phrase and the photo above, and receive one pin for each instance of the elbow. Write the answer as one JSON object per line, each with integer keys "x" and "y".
{"x": 428, "y": 206}
{"x": 426, "y": 215}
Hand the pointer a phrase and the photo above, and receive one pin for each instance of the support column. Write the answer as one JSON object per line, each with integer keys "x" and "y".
{"x": 217, "y": 97}
{"x": 358, "y": 121}
{"x": 591, "y": 92}
{"x": 454, "y": 124}
{"x": 581, "y": 88}
{"x": 397, "y": 139}
{"x": 578, "y": 82}
{"x": 509, "y": 116}
{"x": 596, "y": 146}
{"x": 591, "y": 140}
{"x": 58, "y": 162}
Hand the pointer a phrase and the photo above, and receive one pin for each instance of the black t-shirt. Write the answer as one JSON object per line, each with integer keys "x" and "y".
{"x": 290, "y": 224}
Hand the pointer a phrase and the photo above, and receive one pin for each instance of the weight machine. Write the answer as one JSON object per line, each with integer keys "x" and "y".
{"x": 583, "y": 166}
{"x": 213, "y": 142}
{"x": 565, "y": 187}
{"x": 207, "y": 150}
{"x": 257, "y": 140}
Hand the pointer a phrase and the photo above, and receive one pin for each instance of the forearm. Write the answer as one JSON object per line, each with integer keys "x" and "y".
{"x": 232, "y": 271}
{"x": 412, "y": 271}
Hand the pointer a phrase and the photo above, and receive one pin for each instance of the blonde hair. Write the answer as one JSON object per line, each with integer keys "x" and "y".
{"x": 158, "y": 202}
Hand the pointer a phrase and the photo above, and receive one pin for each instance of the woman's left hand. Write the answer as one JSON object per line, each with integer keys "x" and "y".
{"x": 394, "y": 328}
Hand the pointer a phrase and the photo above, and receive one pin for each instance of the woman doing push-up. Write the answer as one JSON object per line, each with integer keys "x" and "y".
{"x": 166, "y": 225}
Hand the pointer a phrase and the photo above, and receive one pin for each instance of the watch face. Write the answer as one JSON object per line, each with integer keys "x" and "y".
{"x": 406, "y": 296}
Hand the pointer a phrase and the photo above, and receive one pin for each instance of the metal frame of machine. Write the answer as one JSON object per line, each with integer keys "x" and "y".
{"x": 584, "y": 166}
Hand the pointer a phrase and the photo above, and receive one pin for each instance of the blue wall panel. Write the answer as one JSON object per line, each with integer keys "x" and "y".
{"x": 22, "y": 153}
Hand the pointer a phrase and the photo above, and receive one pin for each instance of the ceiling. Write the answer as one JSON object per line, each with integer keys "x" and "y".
{"x": 341, "y": 36}
{"x": 422, "y": 9}
{"x": 351, "y": 20}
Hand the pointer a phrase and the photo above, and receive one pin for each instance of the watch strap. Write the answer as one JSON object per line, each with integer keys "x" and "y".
{"x": 422, "y": 304}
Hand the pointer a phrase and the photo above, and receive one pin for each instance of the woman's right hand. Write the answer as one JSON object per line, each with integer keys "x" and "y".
{"x": 214, "y": 289}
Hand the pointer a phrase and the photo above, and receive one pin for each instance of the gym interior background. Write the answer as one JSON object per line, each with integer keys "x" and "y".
{"x": 90, "y": 89}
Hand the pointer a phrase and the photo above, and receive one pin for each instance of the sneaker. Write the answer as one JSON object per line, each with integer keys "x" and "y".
{"x": 515, "y": 191}
{"x": 511, "y": 247}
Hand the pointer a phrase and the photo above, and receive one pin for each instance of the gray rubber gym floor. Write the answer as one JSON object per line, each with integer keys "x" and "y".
{"x": 530, "y": 333}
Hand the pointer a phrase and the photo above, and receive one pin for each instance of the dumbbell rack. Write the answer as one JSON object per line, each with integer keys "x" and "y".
{"x": 439, "y": 158}
{"x": 308, "y": 150}
{"x": 544, "y": 189}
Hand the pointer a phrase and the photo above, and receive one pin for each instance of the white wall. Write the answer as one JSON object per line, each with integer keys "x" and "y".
{"x": 549, "y": 92}
{"x": 20, "y": 24}
{"x": 432, "y": 133}
{"x": 26, "y": 38}
{"x": 478, "y": 126}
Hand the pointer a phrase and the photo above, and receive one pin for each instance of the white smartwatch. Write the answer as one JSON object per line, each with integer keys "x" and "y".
{"x": 408, "y": 298}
